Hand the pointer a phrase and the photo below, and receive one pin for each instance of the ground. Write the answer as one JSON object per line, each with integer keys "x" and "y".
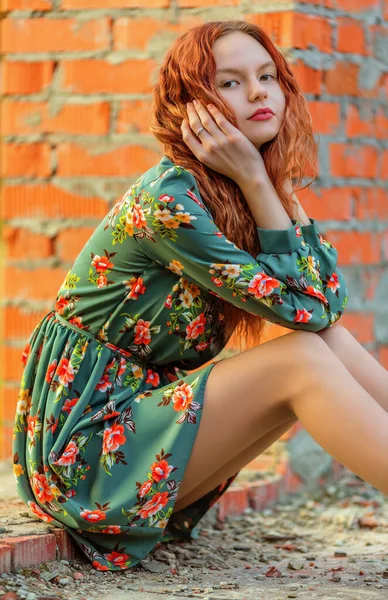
{"x": 327, "y": 545}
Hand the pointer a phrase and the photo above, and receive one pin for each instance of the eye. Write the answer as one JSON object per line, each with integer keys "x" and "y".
{"x": 231, "y": 80}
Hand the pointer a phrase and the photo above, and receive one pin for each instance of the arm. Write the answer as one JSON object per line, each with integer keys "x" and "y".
{"x": 282, "y": 285}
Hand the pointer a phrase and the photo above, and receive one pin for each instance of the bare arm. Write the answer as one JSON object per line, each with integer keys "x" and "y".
{"x": 265, "y": 205}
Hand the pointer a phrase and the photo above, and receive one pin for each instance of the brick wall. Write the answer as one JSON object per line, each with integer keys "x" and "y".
{"x": 76, "y": 84}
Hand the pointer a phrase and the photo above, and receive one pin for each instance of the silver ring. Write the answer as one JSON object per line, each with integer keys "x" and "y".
{"x": 200, "y": 131}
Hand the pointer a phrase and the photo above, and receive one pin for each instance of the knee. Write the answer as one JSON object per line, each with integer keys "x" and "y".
{"x": 312, "y": 353}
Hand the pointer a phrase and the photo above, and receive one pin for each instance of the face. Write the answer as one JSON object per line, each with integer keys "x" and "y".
{"x": 253, "y": 86}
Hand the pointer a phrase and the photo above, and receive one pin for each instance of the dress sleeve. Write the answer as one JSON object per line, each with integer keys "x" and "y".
{"x": 294, "y": 281}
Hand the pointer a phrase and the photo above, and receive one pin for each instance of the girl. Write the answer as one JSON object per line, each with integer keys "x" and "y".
{"x": 127, "y": 430}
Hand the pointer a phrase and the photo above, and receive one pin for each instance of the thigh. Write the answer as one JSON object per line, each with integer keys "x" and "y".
{"x": 246, "y": 397}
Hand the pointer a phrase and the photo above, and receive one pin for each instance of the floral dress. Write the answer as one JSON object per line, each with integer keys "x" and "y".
{"x": 108, "y": 410}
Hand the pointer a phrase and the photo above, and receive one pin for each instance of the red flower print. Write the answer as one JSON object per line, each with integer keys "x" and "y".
{"x": 201, "y": 346}
{"x": 136, "y": 287}
{"x": 117, "y": 558}
{"x": 61, "y": 304}
{"x": 138, "y": 216}
{"x": 298, "y": 231}
{"x": 218, "y": 282}
{"x": 42, "y": 490}
{"x": 113, "y": 438}
{"x": 312, "y": 291}
{"x": 69, "y": 455}
{"x": 196, "y": 327}
{"x": 99, "y": 567}
{"x": 333, "y": 283}
{"x": 262, "y": 285}
{"x": 168, "y": 301}
{"x": 160, "y": 470}
{"x": 70, "y": 493}
{"x": 113, "y": 529}
{"x": 142, "y": 332}
{"x": 51, "y": 370}
{"x": 102, "y": 281}
{"x": 39, "y": 512}
{"x": 153, "y": 506}
{"x": 166, "y": 198}
{"x": 194, "y": 197}
{"x": 123, "y": 366}
{"x": 145, "y": 488}
{"x": 77, "y": 322}
{"x": 32, "y": 421}
{"x": 69, "y": 405}
{"x": 302, "y": 316}
{"x": 182, "y": 396}
{"x": 65, "y": 371}
{"x": 152, "y": 377}
{"x": 93, "y": 516}
{"x": 101, "y": 263}
{"x": 104, "y": 383}
{"x": 26, "y": 352}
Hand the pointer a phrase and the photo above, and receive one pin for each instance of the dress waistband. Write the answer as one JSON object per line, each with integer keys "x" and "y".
{"x": 120, "y": 351}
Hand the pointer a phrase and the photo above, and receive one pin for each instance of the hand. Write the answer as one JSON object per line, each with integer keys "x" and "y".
{"x": 222, "y": 147}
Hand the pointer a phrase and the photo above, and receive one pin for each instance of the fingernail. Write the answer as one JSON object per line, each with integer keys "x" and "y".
{"x": 195, "y": 102}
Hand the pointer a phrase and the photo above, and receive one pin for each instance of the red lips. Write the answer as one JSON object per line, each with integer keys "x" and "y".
{"x": 260, "y": 111}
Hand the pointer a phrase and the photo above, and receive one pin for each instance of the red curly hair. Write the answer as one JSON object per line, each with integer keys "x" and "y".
{"x": 188, "y": 72}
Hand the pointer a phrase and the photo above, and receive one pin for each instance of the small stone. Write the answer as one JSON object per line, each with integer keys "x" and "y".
{"x": 78, "y": 575}
{"x": 64, "y": 581}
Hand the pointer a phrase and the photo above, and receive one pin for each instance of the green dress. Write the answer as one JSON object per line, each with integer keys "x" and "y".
{"x": 108, "y": 410}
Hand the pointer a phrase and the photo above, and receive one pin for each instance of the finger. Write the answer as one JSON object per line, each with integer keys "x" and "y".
{"x": 222, "y": 122}
{"x": 190, "y": 140}
{"x": 206, "y": 120}
{"x": 195, "y": 122}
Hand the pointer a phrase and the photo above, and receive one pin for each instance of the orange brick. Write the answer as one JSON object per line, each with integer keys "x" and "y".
{"x": 384, "y": 165}
{"x": 310, "y": 80}
{"x": 54, "y": 35}
{"x": 381, "y": 122}
{"x": 353, "y": 160}
{"x": 25, "y": 160}
{"x": 342, "y": 79}
{"x": 355, "y": 7}
{"x": 70, "y": 242}
{"x": 330, "y": 203}
{"x": 93, "y": 76}
{"x": 49, "y": 201}
{"x": 134, "y": 116}
{"x": 26, "y": 245}
{"x": 278, "y": 25}
{"x": 6, "y": 444}
{"x": 369, "y": 281}
{"x": 371, "y": 204}
{"x": 357, "y": 123}
{"x": 355, "y": 247}
{"x": 13, "y": 363}
{"x": 351, "y": 36}
{"x": 11, "y": 395}
{"x": 19, "y": 322}
{"x": 360, "y": 325}
{"x": 325, "y": 116}
{"x": 25, "y": 77}
{"x": 311, "y": 30}
{"x": 25, "y": 118}
{"x": 76, "y": 160}
{"x": 7, "y": 5}
{"x": 33, "y": 284}
{"x": 80, "y": 4}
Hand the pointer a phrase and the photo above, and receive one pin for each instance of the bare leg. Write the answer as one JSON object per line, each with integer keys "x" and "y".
{"x": 360, "y": 363}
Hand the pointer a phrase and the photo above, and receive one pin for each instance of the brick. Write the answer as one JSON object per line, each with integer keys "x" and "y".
{"x": 86, "y": 76}
{"x": 357, "y": 123}
{"x": 384, "y": 165}
{"x": 126, "y": 160}
{"x": 310, "y": 80}
{"x": 278, "y": 25}
{"x": 10, "y": 396}
{"x": 6, "y": 446}
{"x": 26, "y": 77}
{"x": 128, "y": 32}
{"x": 353, "y": 160}
{"x": 356, "y": 7}
{"x": 68, "y": 550}
{"x": 370, "y": 203}
{"x": 34, "y": 284}
{"x": 325, "y": 116}
{"x": 381, "y": 123}
{"x": 369, "y": 281}
{"x": 26, "y": 245}
{"x": 133, "y": 116}
{"x": 360, "y": 325}
{"x": 49, "y": 201}
{"x": 42, "y": 5}
{"x": 25, "y": 160}
{"x": 233, "y": 502}
{"x": 351, "y": 36}
{"x": 5, "y": 558}
{"x": 20, "y": 321}
{"x": 327, "y": 203}
{"x": 13, "y": 368}
{"x": 311, "y": 30}
{"x": 355, "y": 247}
{"x": 26, "y": 118}
{"x": 81, "y": 4}
{"x": 70, "y": 242}
{"x": 54, "y": 35}
{"x": 31, "y": 550}
{"x": 265, "y": 493}
{"x": 343, "y": 80}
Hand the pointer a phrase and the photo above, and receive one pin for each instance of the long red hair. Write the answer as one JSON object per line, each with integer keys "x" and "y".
{"x": 188, "y": 72}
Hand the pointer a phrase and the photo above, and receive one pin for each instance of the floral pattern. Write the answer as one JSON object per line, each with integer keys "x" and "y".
{"x": 107, "y": 412}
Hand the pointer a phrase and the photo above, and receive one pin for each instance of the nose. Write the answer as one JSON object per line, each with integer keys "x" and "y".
{"x": 257, "y": 89}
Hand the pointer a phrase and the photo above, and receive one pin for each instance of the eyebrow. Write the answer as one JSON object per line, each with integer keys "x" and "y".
{"x": 231, "y": 70}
